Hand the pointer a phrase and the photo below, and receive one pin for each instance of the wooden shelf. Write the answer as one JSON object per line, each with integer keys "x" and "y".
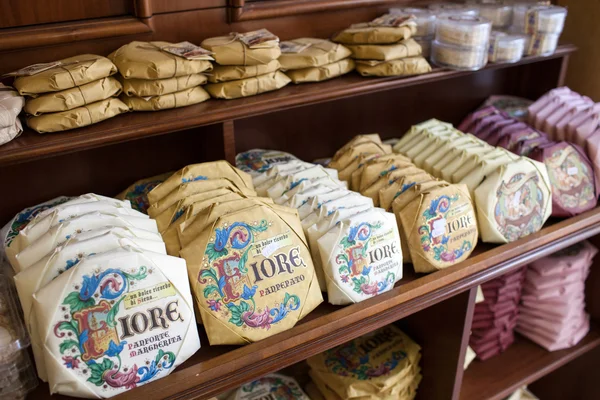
{"x": 210, "y": 371}
{"x": 522, "y": 363}
{"x": 31, "y": 146}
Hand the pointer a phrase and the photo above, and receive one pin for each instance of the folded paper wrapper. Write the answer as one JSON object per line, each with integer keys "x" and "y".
{"x": 146, "y": 60}
{"x": 366, "y": 33}
{"x": 248, "y": 87}
{"x": 72, "y": 72}
{"x": 11, "y": 105}
{"x": 69, "y": 99}
{"x": 183, "y": 98}
{"x": 78, "y": 117}
{"x": 402, "y": 67}
{"x": 230, "y": 50}
{"x": 322, "y": 73}
{"x": 403, "y": 49}
{"x": 314, "y": 53}
{"x": 226, "y": 73}
{"x": 158, "y": 87}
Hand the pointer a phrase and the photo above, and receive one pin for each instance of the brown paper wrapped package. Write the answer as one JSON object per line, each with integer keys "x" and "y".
{"x": 75, "y": 97}
{"x": 248, "y": 87}
{"x": 318, "y": 53}
{"x": 11, "y": 105}
{"x": 158, "y": 87}
{"x": 146, "y": 60}
{"x": 405, "y": 48}
{"x": 362, "y": 148}
{"x": 166, "y": 101}
{"x": 403, "y": 67}
{"x": 78, "y": 117}
{"x": 73, "y": 71}
{"x": 228, "y": 50}
{"x": 323, "y": 73}
{"x": 226, "y": 73}
{"x": 243, "y": 310}
{"x": 367, "y": 34}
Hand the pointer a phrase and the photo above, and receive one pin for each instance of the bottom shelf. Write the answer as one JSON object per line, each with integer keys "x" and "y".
{"x": 522, "y": 363}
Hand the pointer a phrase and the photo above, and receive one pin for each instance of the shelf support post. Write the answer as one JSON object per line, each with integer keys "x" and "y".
{"x": 229, "y": 141}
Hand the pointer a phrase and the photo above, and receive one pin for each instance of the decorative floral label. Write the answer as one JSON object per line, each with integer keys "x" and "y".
{"x": 368, "y": 258}
{"x": 519, "y": 208}
{"x": 271, "y": 387}
{"x": 139, "y": 196}
{"x": 448, "y": 230}
{"x": 259, "y": 161}
{"x": 119, "y": 328}
{"x": 571, "y": 178}
{"x": 254, "y": 274}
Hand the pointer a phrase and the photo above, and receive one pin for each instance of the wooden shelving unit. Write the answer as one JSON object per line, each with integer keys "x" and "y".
{"x": 311, "y": 121}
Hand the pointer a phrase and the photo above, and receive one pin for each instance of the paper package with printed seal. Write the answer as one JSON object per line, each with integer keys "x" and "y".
{"x": 245, "y": 49}
{"x": 158, "y": 87}
{"x": 310, "y": 52}
{"x": 167, "y": 101}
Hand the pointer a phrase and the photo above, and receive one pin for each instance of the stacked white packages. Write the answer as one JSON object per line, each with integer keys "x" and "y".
{"x": 105, "y": 307}
{"x": 355, "y": 246}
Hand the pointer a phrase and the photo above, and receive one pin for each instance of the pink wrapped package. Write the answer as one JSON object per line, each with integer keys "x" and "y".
{"x": 468, "y": 123}
{"x": 484, "y": 346}
{"x": 576, "y": 256}
{"x": 569, "y": 310}
{"x": 549, "y": 124}
{"x": 488, "y": 334}
{"x": 576, "y": 115}
{"x": 593, "y": 151}
{"x": 530, "y": 293}
{"x": 571, "y": 177}
{"x": 585, "y": 125}
{"x": 494, "y": 306}
{"x": 497, "y": 309}
{"x": 511, "y": 139}
{"x": 545, "y": 99}
{"x": 490, "y": 323}
{"x": 483, "y": 126}
{"x": 539, "y": 282}
{"x": 496, "y": 131}
{"x": 556, "y": 306}
{"x": 515, "y": 107}
{"x": 552, "y": 344}
{"x": 553, "y": 106}
{"x": 524, "y": 147}
{"x": 553, "y": 331}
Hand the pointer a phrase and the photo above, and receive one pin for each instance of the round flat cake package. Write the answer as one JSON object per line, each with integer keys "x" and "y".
{"x": 200, "y": 172}
{"x": 401, "y": 67}
{"x": 368, "y": 162}
{"x": 62, "y": 259}
{"x": 137, "y": 193}
{"x": 387, "y": 52}
{"x": 272, "y": 386}
{"x": 226, "y": 73}
{"x": 299, "y": 186}
{"x": 304, "y": 196}
{"x": 249, "y": 86}
{"x": 441, "y": 227}
{"x": 349, "y": 155}
{"x": 78, "y": 117}
{"x": 183, "y": 98}
{"x": 361, "y": 257}
{"x": 310, "y": 52}
{"x": 289, "y": 182}
{"x": 388, "y": 195}
{"x": 148, "y": 60}
{"x": 119, "y": 320}
{"x": 159, "y": 87}
{"x": 68, "y": 73}
{"x": 369, "y": 365}
{"x": 249, "y": 48}
{"x": 513, "y": 201}
{"x": 258, "y": 161}
{"x": 73, "y": 227}
{"x": 349, "y": 199}
{"x": 387, "y": 29}
{"x": 322, "y": 73}
{"x": 372, "y": 137}
{"x": 316, "y": 201}
{"x": 69, "y": 99}
{"x": 252, "y": 275}
{"x": 318, "y": 229}
{"x": 571, "y": 177}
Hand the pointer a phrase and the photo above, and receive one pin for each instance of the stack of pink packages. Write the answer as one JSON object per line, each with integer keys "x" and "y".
{"x": 552, "y": 312}
{"x": 574, "y": 187}
{"x": 566, "y": 115}
{"x": 495, "y": 318}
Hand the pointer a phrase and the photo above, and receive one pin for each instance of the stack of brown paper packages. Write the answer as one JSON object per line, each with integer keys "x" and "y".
{"x": 247, "y": 64}
{"x": 383, "y": 364}
{"x": 384, "y": 46}
{"x": 162, "y": 75}
{"x": 70, "y": 93}
{"x": 314, "y": 60}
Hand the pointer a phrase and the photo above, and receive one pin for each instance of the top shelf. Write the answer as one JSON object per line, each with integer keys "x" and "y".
{"x": 31, "y": 146}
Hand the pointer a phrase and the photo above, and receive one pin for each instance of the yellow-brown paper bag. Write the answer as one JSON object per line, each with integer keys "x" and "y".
{"x": 71, "y": 72}
{"x": 402, "y": 67}
{"x": 146, "y": 60}
{"x": 322, "y": 73}
{"x": 363, "y": 148}
{"x": 75, "y": 97}
{"x": 369, "y": 33}
{"x": 249, "y": 271}
{"x": 166, "y": 101}
{"x": 385, "y": 52}
{"x": 230, "y": 50}
{"x": 200, "y": 172}
{"x": 78, "y": 117}
{"x": 158, "y": 87}
{"x": 226, "y": 73}
{"x": 248, "y": 87}
{"x": 440, "y": 227}
{"x": 413, "y": 175}
{"x": 310, "y": 52}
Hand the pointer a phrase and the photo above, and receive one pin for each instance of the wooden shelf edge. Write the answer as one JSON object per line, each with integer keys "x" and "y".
{"x": 32, "y": 146}
{"x": 213, "y": 376}
{"x": 538, "y": 368}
